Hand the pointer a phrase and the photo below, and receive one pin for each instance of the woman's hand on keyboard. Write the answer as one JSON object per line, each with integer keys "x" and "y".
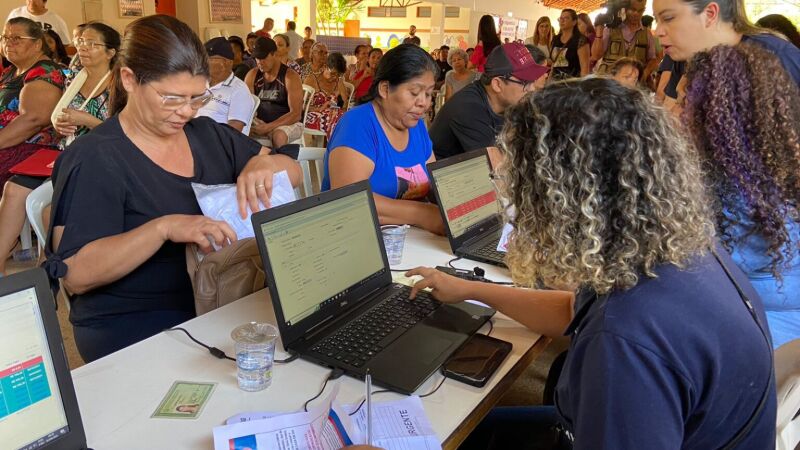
{"x": 445, "y": 288}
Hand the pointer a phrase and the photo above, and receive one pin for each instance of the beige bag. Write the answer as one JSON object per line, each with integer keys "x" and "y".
{"x": 224, "y": 276}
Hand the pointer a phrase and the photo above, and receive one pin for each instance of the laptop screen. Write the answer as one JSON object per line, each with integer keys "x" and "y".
{"x": 319, "y": 254}
{"x": 31, "y": 410}
{"x": 467, "y": 194}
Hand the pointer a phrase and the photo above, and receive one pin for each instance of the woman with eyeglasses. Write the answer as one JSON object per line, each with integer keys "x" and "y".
{"x": 329, "y": 101}
{"x": 319, "y": 55}
{"x": 123, "y": 206}
{"x": 83, "y": 106}
{"x": 569, "y": 50}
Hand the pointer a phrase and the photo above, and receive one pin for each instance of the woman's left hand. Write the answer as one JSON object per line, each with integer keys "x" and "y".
{"x": 254, "y": 184}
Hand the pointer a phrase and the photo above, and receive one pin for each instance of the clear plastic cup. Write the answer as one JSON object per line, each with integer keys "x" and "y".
{"x": 255, "y": 352}
{"x": 394, "y": 237}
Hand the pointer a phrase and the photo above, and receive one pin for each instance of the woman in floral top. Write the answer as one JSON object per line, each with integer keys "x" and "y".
{"x": 29, "y": 90}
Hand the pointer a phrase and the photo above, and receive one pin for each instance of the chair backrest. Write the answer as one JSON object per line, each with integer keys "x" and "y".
{"x": 787, "y": 379}
{"x": 256, "y": 104}
{"x": 34, "y": 205}
{"x": 308, "y": 91}
{"x": 305, "y": 157}
{"x": 350, "y": 91}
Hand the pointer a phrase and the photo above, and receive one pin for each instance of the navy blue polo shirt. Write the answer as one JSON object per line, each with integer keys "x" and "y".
{"x": 676, "y": 362}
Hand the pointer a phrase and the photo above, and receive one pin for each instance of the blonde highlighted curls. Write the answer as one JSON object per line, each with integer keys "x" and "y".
{"x": 604, "y": 188}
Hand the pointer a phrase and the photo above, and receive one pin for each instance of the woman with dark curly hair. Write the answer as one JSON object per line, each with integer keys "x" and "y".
{"x": 744, "y": 113}
{"x": 614, "y": 214}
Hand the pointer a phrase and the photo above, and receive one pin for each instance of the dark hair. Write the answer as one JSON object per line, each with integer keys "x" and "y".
{"x": 730, "y": 11}
{"x": 307, "y": 28}
{"x": 145, "y": 53}
{"x": 337, "y": 62}
{"x": 284, "y": 37}
{"x": 399, "y": 65}
{"x": 33, "y": 30}
{"x": 782, "y": 25}
{"x": 583, "y": 17}
{"x": 743, "y": 110}
{"x": 61, "y": 52}
{"x": 291, "y": 25}
{"x": 571, "y": 12}
{"x": 647, "y": 21}
{"x": 624, "y": 62}
{"x": 237, "y": 41}
{"x": 471, "y": 49}
{"x": 374, "y": 50}
{"x": 110, "y": 37}
{"x": 538, "y": 55}
{"x": 602, "y": 19}
{"x": 358, "y": 47}
{"x": 444, "y": 47}
{"x": 487, "y": 34}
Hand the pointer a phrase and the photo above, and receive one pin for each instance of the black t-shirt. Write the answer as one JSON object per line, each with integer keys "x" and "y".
{"x": 466, "y": 122}
{"x": 104, "y": 186}
{"x": 443, "y": 68}
{"x": 676, "y": 69}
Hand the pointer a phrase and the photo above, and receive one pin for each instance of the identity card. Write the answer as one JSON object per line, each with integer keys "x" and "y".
{"x": 184, "y": 400}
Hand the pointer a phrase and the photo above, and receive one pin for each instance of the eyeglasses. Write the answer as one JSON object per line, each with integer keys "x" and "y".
{"x": 524, "y": 84}
{"x": 81, "y": 42}
{"x": 176, "y": 102}
{"x": 15, "y": 39}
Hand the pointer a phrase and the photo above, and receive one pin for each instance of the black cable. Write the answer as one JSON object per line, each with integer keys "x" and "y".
{"x": 437, "y": 388}
{"x": 399, "y": 270}
{"x": 221, "y": 355}
{"x": 364, "y": 400}
{"x": 450, "y": 263}
{"x": 335, "y": 373}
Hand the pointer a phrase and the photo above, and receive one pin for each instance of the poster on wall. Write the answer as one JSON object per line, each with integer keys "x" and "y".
{"x": 225, "y": 11}
{"x": 131, "y": 8}
{"x": 508, "y": 29}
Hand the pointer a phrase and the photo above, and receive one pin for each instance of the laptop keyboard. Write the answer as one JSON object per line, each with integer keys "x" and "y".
{"x": 489, "y": 250}
{"x": 363, "y": 338}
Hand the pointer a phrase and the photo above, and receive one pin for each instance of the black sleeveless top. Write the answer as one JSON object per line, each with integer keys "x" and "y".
{"x": 566, "y": 63}
{"x": 274, "y": 96}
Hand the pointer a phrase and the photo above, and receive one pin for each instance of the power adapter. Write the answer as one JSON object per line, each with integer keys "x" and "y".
{"x": 471, "y": 275}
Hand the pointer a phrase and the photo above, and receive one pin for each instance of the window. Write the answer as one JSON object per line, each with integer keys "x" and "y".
{"x": 452, "y": 11}
{"x": 423, "y": 11}
{"x": 384, "y": 11}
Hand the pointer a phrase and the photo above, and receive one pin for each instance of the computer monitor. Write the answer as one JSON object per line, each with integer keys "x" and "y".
{"x": 320, "y": 254}
{"x": 38, "y": 408}
{"x": 466, "y": 193}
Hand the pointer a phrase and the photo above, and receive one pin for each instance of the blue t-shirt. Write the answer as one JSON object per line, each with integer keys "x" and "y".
{"x": 398, "y": 174}
{"x": 781, "y": 301}
{"x": 676, "y": 362}
{"x": 784, "y": 50}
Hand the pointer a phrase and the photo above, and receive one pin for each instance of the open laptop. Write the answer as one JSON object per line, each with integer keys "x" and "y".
{"x": 334, "y": 299}
{"x": 468, "y": 205}
{"x": 38, "y": 408}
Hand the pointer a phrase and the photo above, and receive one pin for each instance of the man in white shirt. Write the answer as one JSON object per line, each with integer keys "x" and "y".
{"x": 295, "y": 40}
{"x": 232, "y": 102}
{"x": 36, "y": 10}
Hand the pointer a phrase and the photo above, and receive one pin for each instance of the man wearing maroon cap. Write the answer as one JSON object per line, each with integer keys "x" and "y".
{"x": 473, "y": 117}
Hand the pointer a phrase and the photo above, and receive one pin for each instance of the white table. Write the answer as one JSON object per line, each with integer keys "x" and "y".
{"x": 118, "y": 393}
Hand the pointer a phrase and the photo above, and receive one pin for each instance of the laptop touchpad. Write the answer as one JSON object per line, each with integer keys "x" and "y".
{"x": 421, "y": 348}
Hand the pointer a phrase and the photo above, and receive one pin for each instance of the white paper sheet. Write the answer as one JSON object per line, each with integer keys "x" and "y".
{"x": 398, "y": 425}
{"x": 502, "y": 245}
{"x": 219, "y": 202}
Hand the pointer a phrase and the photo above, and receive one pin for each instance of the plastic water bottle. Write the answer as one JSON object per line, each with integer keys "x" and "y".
{"x": 255, "y": 351}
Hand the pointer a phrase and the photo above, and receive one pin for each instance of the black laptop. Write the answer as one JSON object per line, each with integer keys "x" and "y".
{"x": 38, "y": 408}
{"x": 334, "y": 299}
{"x": 468, "y": 203}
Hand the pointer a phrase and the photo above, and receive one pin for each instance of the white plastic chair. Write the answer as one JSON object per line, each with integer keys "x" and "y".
{"x": 787, "y": 379}
{"x": 351, "y": 90}
{"x": 308, "y": 92}
{"x": 306, "y": 156}
{"x": 256, "y": 104}
{"x": 36, "y": 202}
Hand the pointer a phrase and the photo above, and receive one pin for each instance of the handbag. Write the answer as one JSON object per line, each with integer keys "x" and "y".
{"x": 226, "y": 275}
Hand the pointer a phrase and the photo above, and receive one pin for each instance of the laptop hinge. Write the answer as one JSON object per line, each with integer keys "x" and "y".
{"x": 323, "y": 326}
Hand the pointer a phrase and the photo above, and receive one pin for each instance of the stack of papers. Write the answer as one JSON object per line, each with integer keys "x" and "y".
{"x": 396, "y": 425}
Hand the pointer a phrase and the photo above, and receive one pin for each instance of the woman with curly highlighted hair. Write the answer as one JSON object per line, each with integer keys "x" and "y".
{"x": 614, "y": 214}
{"x": 744, "y": 113}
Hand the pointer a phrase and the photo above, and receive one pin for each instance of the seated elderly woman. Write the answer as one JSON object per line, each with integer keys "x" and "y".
{"x": 330, "y": 97}
{"x": 460, "y": 76}
{"x": 123, "y": 205}
{"x": 29, "y": 91}
{"x": 618, "y": 224}
{"x": 83, "y": 106}
{"x": 385, "y": 141}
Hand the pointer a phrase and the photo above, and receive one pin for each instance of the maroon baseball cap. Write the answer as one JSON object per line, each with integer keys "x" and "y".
{"x": 513, "y": 59}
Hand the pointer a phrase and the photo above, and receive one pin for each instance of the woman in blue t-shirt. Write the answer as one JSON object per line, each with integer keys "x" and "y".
{"x": 385, "y": 140}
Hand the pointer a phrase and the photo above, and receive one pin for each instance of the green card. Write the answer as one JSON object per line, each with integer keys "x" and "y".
{"x": 185, "y": 400}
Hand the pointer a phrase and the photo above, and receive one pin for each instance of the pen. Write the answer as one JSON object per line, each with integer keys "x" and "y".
{"x": 368, "y": 381}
